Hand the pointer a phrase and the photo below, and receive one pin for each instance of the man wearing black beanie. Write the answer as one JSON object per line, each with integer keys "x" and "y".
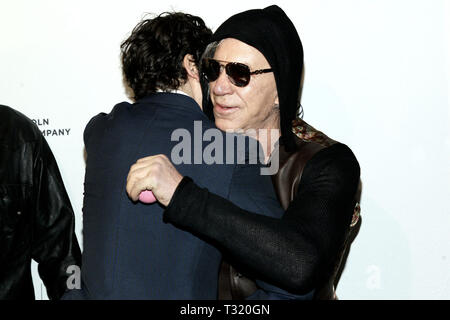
{"x": 254, "y": 70}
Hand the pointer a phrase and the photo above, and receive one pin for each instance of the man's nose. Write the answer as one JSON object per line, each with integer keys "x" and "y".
{"x": 222, "y": 85}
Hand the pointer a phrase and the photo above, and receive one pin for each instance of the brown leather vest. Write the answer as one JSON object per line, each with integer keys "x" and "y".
{"x": 232, "y": 284}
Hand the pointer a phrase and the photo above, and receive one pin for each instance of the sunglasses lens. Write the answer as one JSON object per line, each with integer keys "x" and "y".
{"x": 211, "y": 69}
{"x": 239, "y": 74}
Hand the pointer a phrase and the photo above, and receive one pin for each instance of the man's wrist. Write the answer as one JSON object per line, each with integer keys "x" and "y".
{"x": 176, "y": 203}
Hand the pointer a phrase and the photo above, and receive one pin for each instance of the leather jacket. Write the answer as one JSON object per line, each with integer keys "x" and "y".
{"x": 36, "y": 217}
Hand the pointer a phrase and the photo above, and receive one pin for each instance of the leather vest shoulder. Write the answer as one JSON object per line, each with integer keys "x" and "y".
{"x": 291, "y": 165}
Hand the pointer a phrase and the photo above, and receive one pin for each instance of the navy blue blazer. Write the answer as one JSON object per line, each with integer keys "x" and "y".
{"x": 129, "y": 252}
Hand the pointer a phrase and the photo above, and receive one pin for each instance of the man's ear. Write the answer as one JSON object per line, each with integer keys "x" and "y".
{"x": 191, "y": 68}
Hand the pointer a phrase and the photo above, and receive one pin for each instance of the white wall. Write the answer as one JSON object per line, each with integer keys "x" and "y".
{"x": 376, "y": 78}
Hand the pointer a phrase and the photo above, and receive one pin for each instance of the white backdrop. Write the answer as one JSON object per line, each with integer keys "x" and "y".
{"x": 376, "y": 78}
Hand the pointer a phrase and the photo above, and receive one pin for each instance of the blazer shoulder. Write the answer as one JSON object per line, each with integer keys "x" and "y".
{"x": 119, "y": 112}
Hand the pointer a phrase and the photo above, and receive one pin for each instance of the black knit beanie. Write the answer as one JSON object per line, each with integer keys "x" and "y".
{"x": 271, "y": 32}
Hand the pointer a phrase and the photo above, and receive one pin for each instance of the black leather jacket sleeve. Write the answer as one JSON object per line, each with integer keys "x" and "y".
{"x": 54, "y": 244}
{"x": 36, "y": 217}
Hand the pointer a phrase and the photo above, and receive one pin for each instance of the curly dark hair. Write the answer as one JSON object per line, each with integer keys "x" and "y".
{"x": 152, "y": 56}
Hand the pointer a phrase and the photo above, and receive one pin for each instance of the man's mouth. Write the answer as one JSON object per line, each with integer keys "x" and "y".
{"x": 222, "y": 109}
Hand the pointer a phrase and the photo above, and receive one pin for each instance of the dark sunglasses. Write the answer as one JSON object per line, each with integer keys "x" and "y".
{"x": 238, "y": 73}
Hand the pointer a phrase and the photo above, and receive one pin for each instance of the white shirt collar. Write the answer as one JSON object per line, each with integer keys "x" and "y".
{"x": 173, "y": 91}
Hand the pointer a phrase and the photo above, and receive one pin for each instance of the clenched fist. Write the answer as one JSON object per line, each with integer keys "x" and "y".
{"x": 155, "y": 173}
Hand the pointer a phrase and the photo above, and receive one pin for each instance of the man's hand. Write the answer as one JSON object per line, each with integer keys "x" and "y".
{"x": 155, "y": 173}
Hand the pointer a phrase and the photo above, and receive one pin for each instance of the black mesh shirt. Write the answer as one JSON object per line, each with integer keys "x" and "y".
{"x": 296, "y": 252}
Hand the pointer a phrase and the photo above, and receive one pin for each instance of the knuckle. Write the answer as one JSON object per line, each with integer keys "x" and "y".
{"x": 157, "y": 167}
